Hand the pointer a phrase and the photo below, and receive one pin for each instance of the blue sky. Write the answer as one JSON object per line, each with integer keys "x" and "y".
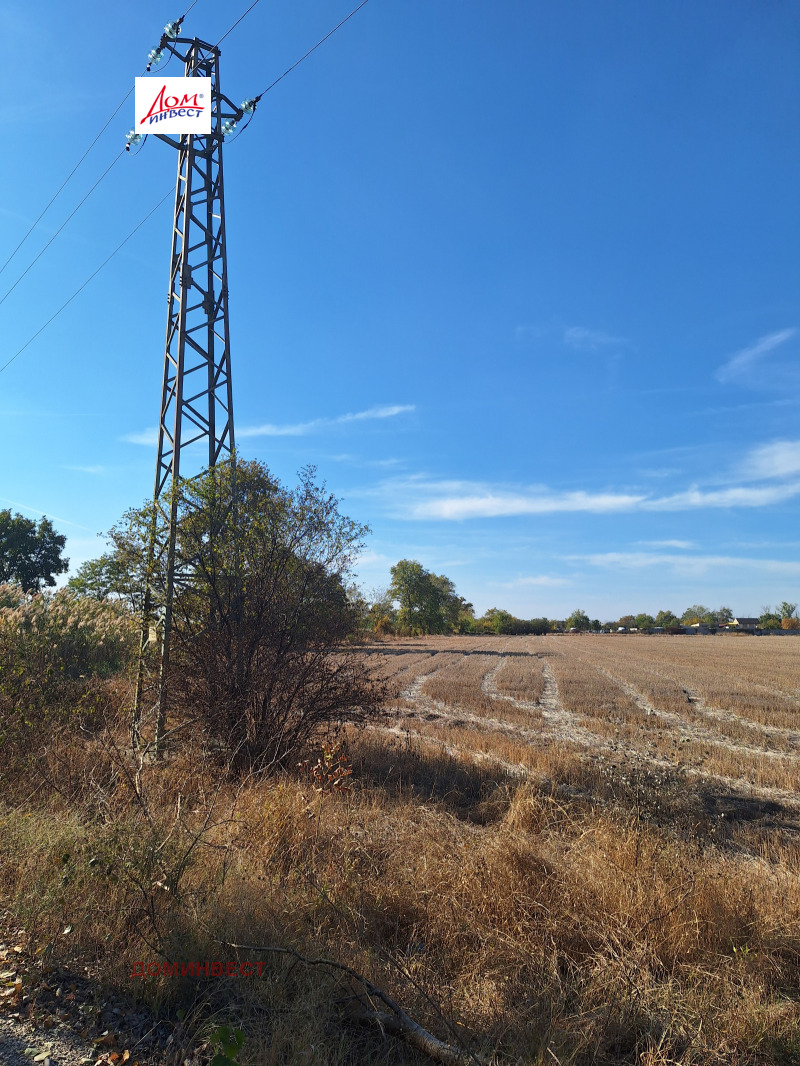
{"x": 520, "y": 278}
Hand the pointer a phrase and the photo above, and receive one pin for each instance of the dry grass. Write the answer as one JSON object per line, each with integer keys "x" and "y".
{"x": 566, "y": 878}
{"x": 755, "y": 678}
{"x": 520, "y": 676}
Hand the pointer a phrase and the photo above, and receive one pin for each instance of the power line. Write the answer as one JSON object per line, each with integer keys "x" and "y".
{"x": 64, "y": 183}
{"x": 316, "y": 46}
{"x": 66, "y": 180}
{"x": 91, "y": 277}
{"x": 114, "y": 161}
{"x": 61, "y": 227}
{"x": 236, "y": 23}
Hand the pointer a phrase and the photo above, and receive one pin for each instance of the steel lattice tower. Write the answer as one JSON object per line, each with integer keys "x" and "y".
{"x": 196, "y": 395}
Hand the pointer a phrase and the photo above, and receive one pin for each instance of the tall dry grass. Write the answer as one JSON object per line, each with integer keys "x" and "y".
{"x": 598, "y": 906}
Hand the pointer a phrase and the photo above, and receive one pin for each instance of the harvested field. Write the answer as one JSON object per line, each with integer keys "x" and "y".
{"x": 571, "y": 850}
{"x": 655, "y": 781}
{"x": 723, "y": 709}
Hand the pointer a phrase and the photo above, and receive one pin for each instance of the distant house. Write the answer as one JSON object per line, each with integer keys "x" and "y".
{"x": 697, "y": 627}
{"x": 743, "y": 623}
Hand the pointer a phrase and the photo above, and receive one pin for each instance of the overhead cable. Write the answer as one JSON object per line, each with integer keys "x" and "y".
{"x": 66, "y": 180}
{"x": 236, "y": 23}
{"x": 63, "y": 184}
{"x": 91, "y": 277}
{"x": 61, "y": 227}
{"x": 316, "y": 46}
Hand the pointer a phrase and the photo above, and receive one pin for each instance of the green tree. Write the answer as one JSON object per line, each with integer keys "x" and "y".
{"x": 428, "y": 602}
{"x": 107, "y": 577}
{"x": 769, "y": 619}
{"x": 644, "y": 621}
{"x": 628, "y": 621}
{"x": 667, "y": 618}
{"x": 453, "y": 607}
{"x": 499, "y": 621}
{"x": 698, "y": 613}
{"x": 261, "y": 613}
{"x": 579, "y": 620}
{"x": 380, "y": 614}
{"x": 787, "y": 610}
{"x": 30, "y": 554}
{"x": 724, "y": 615}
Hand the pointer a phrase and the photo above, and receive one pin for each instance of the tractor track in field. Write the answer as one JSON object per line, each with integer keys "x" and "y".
{"x": 554, "y": 723}
{"x": 693, "y": 731}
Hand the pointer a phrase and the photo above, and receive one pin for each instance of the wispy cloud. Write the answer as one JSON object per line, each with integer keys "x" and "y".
{"x": 149, "y": 436}
{"x": 768, "y": 475}
{"x": 538, "y": 581}
{"x": 739, "y": 363}
{"x": 590, "y": 340}
{"x": 144, "y": 436}
{"x": 302, "y": 429}
{"x": 686, "y": 545}
{"x": 371, "y": 558}
{"x": 87, "y": 469}
{"x": 474, "y": 501}
{"x": 780, "y": 458}
{"x": 734, "y": 496}
{"x": 686, "y": 565}
{"x": 481, "y": 502}
{"x": 45, "y": 514}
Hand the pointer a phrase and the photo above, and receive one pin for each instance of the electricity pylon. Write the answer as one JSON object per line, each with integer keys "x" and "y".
{"x": 196, "y": 395}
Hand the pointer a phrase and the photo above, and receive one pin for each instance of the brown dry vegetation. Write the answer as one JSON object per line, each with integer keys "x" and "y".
{"x": 561, "y": 849}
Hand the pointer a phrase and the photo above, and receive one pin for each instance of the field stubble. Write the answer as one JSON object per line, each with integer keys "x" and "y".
{"x": 570, "y": 850}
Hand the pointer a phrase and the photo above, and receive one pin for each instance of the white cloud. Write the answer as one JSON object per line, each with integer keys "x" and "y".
{"x": 45, "y": 514}
{"x": 87, "y": 469}
{"x": 144, "y": 436}
{"x": 735, "y": 496}
{"x": 476, "y": 501}
{"x": 764, "y": 483}
{"x": 684, "y": 544}
{"x": 687, "y": 565}
{"x": 741, "y": 361}
{"x": 378, "y": 412}
{"x": 589, "y": 340}
{"x": 539, "y": 581}
{"x": 301, "y": 429}
{"x": 371, "y": 558}
{"x": 487, "y": 503}
{"x": 149, "y": 436}
{"x": 781, "y": 458}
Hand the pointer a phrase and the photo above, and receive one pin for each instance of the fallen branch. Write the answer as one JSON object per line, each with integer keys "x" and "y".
{"x": 394, "y": 1020}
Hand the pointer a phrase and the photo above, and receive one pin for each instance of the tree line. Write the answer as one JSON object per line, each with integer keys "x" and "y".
{"x": 420, "y": 602}
{"x": 417, "y": 601}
